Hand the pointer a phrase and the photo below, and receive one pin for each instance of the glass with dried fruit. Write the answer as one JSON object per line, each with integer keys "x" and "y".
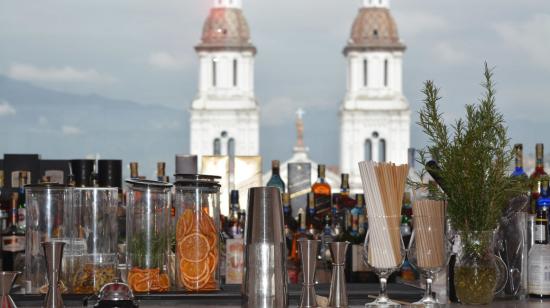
{"x": 197, "y": 233}
{"x": 147, "y": 235}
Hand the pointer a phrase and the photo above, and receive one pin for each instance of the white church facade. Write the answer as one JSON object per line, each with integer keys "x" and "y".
{"x": 374, "y": 113}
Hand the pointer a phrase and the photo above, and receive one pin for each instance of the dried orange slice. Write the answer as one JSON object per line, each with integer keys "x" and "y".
{"x": 194, "y": 285}
{"x": 212, "y": 262}
{"x": 194, "y": 247}
{"x": 164, "y": 282}
{"x": 141, "y": 287}
{"x": 194, "y": 270}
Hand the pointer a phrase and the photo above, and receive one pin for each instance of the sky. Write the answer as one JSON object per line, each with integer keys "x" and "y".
{"x": 142, "y": 50}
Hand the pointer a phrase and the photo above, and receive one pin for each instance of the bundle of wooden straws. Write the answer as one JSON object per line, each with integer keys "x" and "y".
{"x": 384, "y": 185}
{"x": 429, "y": 233}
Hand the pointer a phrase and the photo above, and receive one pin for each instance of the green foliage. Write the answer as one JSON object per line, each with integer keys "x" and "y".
{"x": 474, "y": 155}
{"x": 148, "y": 250}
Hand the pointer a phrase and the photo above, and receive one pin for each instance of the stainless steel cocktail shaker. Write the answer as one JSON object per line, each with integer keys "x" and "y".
{"x": 265, "y": 275}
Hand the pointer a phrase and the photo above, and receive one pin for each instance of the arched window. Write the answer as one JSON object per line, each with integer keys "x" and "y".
{"x": 365, "y": 72}
{"x": 368, "y": 149}
{"x": 235, "y": 72}
{"x": 231, "y": 147}
{"x": 385, "y": 73}
{"x": 214, "y": 72}
{"x": 382, "y": 150}
{"x": 217, "y": 146}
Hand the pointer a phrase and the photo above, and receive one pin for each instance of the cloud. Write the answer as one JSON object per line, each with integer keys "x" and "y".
{"x": 449, "y": 54}
{"x": 6, "y": 109}
{"x": 166, "y": 61}
{"x": 531, "y": 36}
{"x": 69, "y": 130}
{"x": 30, "y": 72}
{"x": 413, "y": 23}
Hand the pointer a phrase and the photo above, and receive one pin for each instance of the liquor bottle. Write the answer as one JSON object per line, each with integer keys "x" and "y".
{"x": 134, "y": 172}
{"x": 312, "y": 224}
{"x": 541, "y": 219}
{"x": 336, "y": 211}
{"x": 346, "y": 202}
{"x": 539, "y": 255}
{"x": 324, "y": 260}
{"x": 234, "y": 245}
{"x": 363, "y": 224}
{"x": 518, "y": 170}
{"x": 289, "y": 220}
{"x": 13, "y": 240}
{"x": 322, "y": 193}
{"x": 21, "y": 210}
{"x": 537, "y": 175}
{"x": 276, "y": 180}
{"x": 294, "y": 258}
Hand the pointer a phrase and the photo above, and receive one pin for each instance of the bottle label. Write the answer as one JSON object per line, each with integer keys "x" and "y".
{"x": 22, "y": 216}
{"x": 540, "y": 233}
{"x": 234, "y": 261}
{"x": 539, "y": 272}
{"x": 322, "y": 205}
{"x": 13, "y": 243}
{"x": 357, "y": 263}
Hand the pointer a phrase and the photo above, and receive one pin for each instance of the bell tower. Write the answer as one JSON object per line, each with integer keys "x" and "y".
{"x": 374, "y": 115}
{"x": 225, "y": 114}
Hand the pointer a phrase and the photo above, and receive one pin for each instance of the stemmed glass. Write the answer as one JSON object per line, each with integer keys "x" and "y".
{"x": 384, "y": 253}
{"x": 428, "y": 253}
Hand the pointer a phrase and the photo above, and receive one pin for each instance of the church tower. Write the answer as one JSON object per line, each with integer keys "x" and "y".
{"x": 225, "y": 114}
{"x": 374, "y": 116}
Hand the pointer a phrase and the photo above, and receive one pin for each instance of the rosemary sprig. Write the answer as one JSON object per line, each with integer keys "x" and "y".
{"x": 473, "y": 155}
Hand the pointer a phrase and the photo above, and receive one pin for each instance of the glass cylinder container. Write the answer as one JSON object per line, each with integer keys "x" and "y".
{"x": 49, "y": 218}
{"x": 197, "y": 243}
{"x": 147, "y": 235}
{"x": 92, "y": 252}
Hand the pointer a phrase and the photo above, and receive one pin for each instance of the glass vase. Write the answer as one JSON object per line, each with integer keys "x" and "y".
{"x": 479, "y": 273}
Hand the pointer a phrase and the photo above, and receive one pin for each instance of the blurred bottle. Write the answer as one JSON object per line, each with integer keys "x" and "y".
{"x": 21, "y": 210}
{"x": 536, "y": 176}
{"x": 234, "y": 265}
{"x": 322, "y": 193}
{"x": 276, "y": 180}
{"x": 13, "y": 240}
{"x": 518, "y": 153}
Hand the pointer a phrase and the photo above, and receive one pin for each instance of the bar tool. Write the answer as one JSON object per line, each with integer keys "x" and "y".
{"x": 116, "y": 295}
{"x": 338, "y": 296}
{"x": 53, "y": 252}
{"x": 265, "y": 275}
{"x": 6, "y": 282}
{"x": 308, "y": 254}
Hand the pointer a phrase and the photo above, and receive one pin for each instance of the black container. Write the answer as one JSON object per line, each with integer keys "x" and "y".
{"x": 110, "y": 173}
{"x": 82, "y": 172}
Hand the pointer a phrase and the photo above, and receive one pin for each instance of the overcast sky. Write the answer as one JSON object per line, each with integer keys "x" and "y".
{"x": 143, "y": 51}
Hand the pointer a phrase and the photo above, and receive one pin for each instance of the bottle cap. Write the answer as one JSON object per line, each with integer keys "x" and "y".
{"x": 82, "y": 171}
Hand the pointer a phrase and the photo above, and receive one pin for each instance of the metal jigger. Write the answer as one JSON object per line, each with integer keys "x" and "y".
{"x": 265, "y": 276}
{"x": 6, "y": 282}
{"x": 53, "y": 252}
{"x": 338, "y": 296}
{"x": 308, "y": 254}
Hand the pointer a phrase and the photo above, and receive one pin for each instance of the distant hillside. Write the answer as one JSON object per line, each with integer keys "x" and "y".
{"x": 38, "y": 120}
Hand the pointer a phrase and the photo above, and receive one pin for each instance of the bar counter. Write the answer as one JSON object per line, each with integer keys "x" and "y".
{"x": 358, "y": 295}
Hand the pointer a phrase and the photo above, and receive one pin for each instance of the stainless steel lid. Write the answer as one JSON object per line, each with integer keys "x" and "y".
{"x": 116, "y": 291}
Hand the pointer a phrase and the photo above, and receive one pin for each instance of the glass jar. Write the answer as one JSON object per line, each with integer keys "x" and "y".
{"x": 479, "y": 273}
{"x": 147, "y": 231}
{"x": 197, "y": 233}
{"x": 92, "y": 252}
{"x": 49, "y": 217}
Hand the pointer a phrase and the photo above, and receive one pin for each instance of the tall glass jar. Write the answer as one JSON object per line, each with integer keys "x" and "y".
{"x": 147, "y": 235}
{"x": 93, "y": 248}
{"x": 197, "y": 238}
{"x": 49, "y": 218}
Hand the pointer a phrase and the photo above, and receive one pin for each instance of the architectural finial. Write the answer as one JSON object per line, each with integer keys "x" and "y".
{"x": 235, "y": 4}
{"x": 300, "y": 128}
{"x": 376, "y": 3}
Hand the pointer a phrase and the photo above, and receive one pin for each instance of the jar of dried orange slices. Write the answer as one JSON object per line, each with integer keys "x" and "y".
{"x": 197, "y": 238}
{"x": 147, "y": 236}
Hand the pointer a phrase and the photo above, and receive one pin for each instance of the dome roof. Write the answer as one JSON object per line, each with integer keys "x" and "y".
{"x": 225, "y": 28}
{"x": 374, "y": 29}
